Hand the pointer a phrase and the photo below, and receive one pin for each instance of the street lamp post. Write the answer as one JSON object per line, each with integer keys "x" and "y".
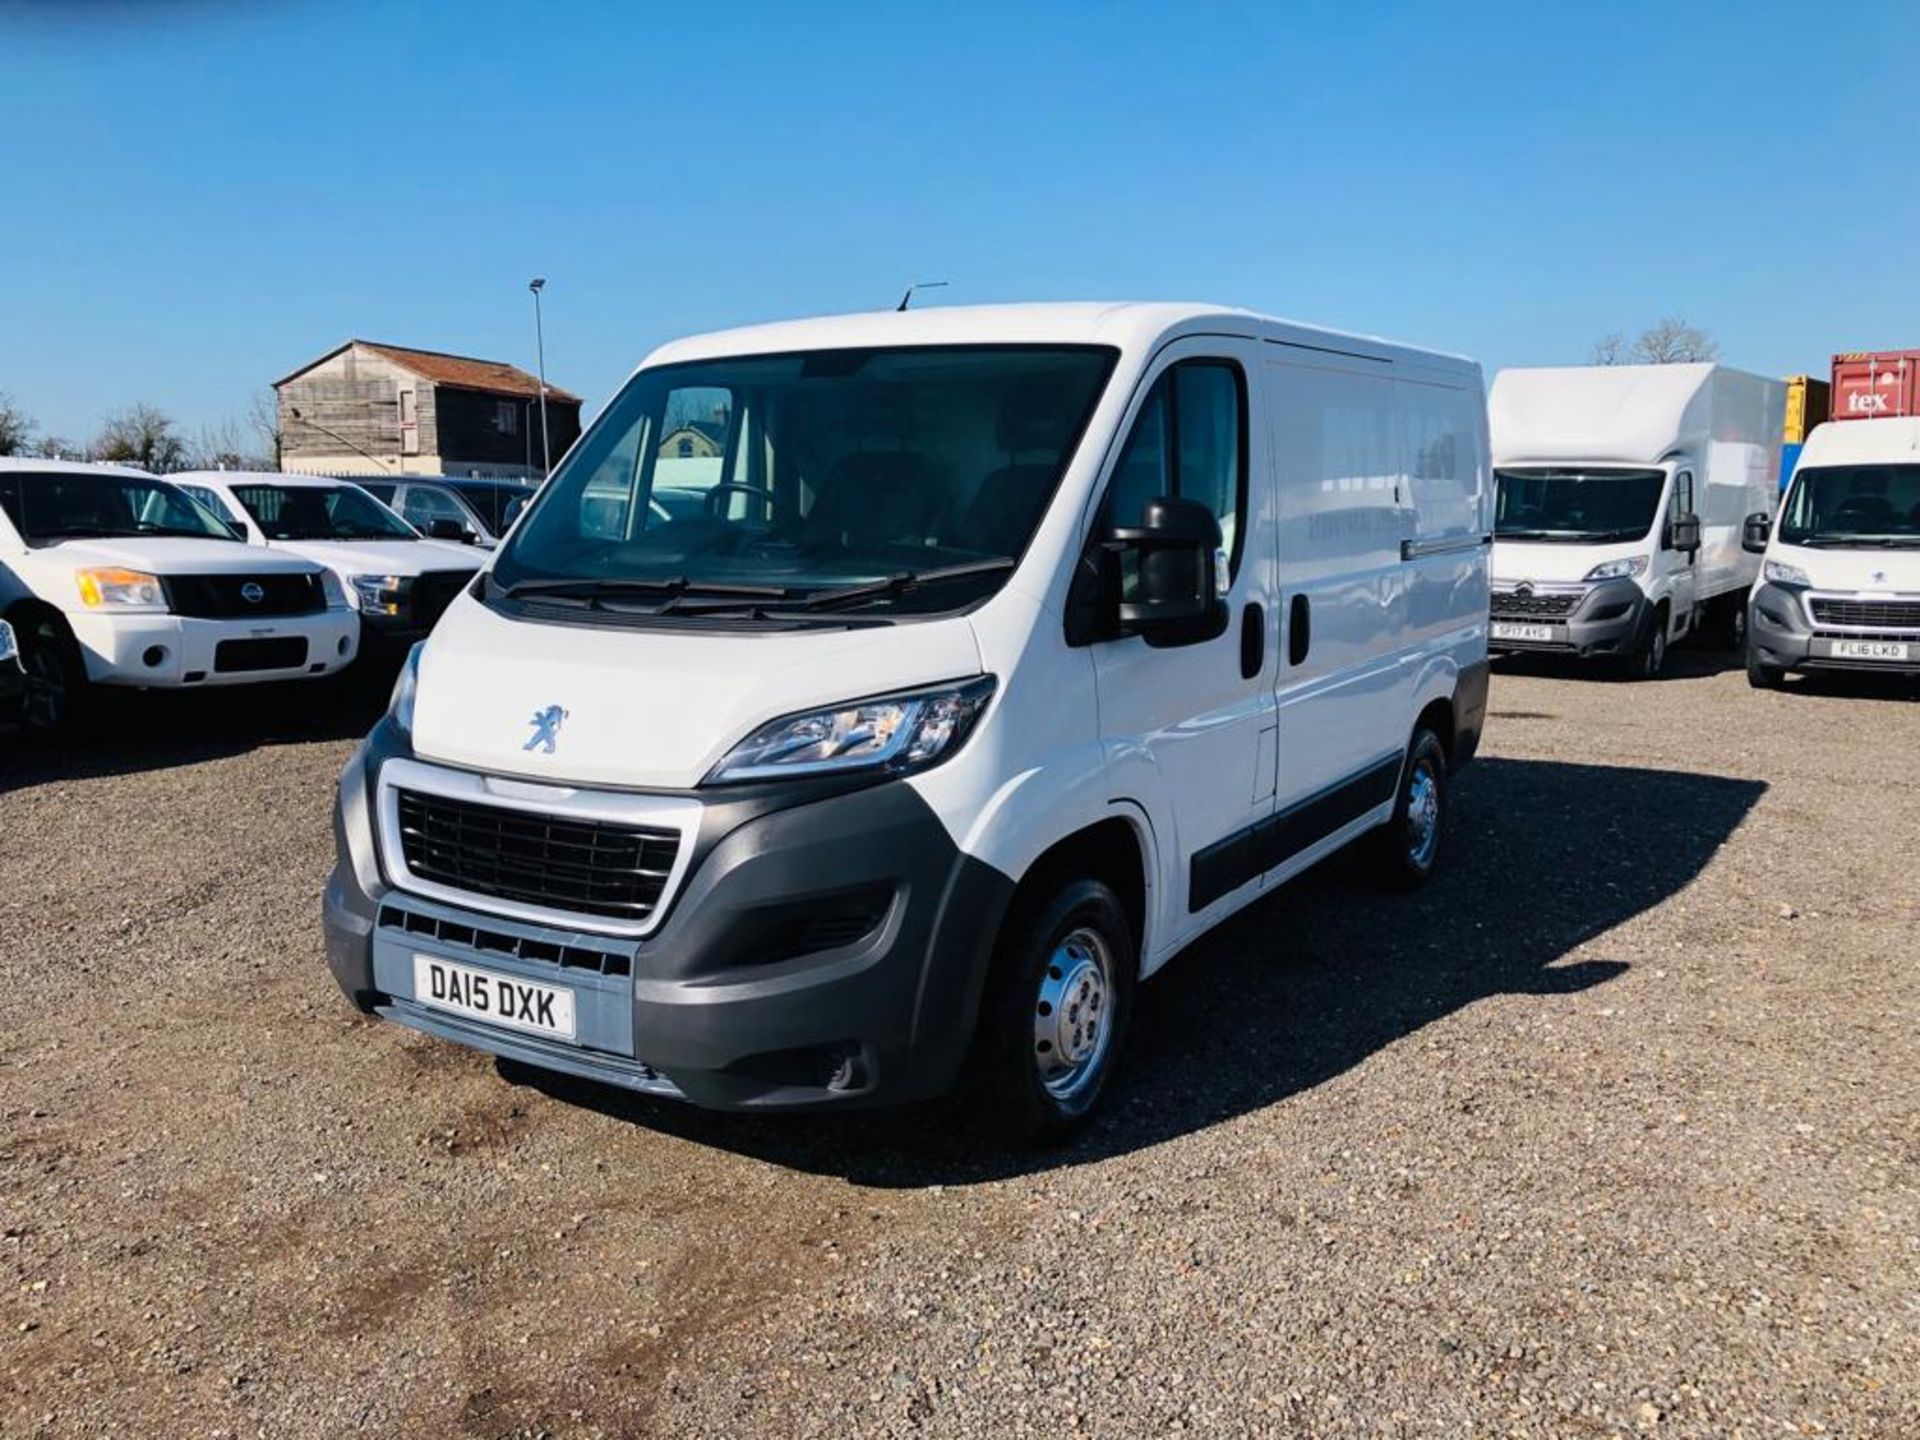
{"x": 536, "y": 285}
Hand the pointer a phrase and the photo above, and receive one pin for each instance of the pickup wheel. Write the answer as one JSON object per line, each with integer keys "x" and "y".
{"x": 1054, "y": 1014}
{"x": 60, "y": 697}
{"x": 1406, "y": 849}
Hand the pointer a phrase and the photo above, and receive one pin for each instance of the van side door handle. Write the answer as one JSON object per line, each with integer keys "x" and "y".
{"x": 1299, "y": 631}
{"x": 1253, "y": 641}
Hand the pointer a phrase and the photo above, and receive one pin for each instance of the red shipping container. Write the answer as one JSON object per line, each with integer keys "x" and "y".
{"x": 1875, "y": 384}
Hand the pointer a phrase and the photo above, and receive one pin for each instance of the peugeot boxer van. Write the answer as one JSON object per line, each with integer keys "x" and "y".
{"x": 1621, "y": 493}
{"x": 1006, "y": 652}
{"x": 1840, "y": 584}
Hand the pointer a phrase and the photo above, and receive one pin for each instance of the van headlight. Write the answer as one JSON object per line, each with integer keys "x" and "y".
{"x": 1624, "y": 568}
{"x": 405, "y": 685}
{"x": 108, "y": 587}
{"x": 894, "y": 733}
{"x": 1781, "y": 573}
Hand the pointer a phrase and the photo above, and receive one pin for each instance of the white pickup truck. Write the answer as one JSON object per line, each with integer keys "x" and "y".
{"x": 111, "y": 576}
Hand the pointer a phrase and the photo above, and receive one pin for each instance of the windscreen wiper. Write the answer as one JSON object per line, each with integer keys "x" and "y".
{"x": 898, "y": 584}
{"x": 666, "y": 586}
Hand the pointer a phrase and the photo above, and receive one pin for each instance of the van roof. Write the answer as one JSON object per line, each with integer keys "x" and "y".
{"x": 264, "y": 477}
{"x": 1635, "y": 414}
{"x": 1862, "y": 442}
{"x": 1128, "y": 325}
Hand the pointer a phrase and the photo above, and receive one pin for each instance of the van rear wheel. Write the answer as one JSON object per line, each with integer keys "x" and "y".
{"x": 1055, "y": 1013}
{"x": 1407, "y": 848}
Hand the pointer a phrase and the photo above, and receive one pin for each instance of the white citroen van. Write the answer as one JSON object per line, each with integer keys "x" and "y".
{"x": 399, "y": 580}
{"x": 1005, "y": 652}
{"x": 1840, "y": 588}
{"x": 1622, "y": 492}
{"x": 113, "y": 577}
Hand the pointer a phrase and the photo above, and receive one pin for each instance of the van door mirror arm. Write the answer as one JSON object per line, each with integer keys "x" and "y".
{"x": 1755, "y": 533}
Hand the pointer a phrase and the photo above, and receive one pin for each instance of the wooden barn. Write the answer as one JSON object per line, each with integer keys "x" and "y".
{"x": 372, "y": 409}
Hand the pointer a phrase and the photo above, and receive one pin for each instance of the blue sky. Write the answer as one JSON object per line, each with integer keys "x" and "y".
{"x": 200, "y": 197}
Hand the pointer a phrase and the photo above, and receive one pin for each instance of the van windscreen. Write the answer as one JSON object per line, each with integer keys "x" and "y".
{"x": 812, "y": 473}
{"x": 1576, "y": 506}
{"x": 1869, "y": 506}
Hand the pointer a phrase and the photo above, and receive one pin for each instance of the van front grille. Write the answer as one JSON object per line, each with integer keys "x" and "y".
{"x": 1531, "y": 606}
{"x": 1879, "y": 614}
{"x": 587, "y": 867}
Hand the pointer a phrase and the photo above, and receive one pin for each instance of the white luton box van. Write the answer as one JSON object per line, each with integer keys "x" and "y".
{"x": 1622, "y": 493}
{"x": 1840, "y": 588}
{"x": 1006, "y": 651}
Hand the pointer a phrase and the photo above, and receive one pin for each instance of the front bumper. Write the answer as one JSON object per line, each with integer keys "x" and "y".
{"x": 1608, "y": 619}
{"x": 1782, "y": 636}
{"x": 173, "y": 651}
{"x": 733, "y": 1002}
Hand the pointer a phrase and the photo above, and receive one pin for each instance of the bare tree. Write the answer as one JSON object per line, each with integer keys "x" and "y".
{"x": 16, "y": 427}
{"x": 1674, "y": 342}
{"x": 142, "y": 435}
{"x": 224, "y": 447}
{"x": 263, "y": 418}
{"x": 1609, "y": 350}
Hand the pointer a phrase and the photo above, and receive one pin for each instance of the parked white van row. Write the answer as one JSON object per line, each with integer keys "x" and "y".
{"x": 113, "y": 577}
{"x": 1623, "y": 491}
{"x": 1840, "y": 586}
{"x": 1004, "y": 652}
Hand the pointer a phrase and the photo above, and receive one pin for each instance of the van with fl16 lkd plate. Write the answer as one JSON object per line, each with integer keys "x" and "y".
{"x": 1005, "y": 652}
{"x": 1622, "y": 491}
{"x": 1840, "y": 588}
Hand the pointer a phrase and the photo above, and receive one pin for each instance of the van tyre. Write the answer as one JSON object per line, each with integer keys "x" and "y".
{"x": 60, "y": 697}
{"x": 1055, "y": 1013}
{"x": 1765, "y": 677}
{"x": 1406, "y": 849}
{"x": 1649, "y": 658}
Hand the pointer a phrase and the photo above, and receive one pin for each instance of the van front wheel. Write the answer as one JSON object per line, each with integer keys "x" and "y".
{"x": 1055, "y": 1013}
{"x": 1406, "y": 849}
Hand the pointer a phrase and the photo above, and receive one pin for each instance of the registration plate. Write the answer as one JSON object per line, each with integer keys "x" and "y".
{"x": 1522, "y": 632}
{"x": 495, "y": 998}
{"x": 1870, "y": 650}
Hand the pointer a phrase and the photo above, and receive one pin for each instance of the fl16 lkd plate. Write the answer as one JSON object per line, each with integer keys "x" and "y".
{"x": 1869, "y": 650}
{"x": 493, "y": 998}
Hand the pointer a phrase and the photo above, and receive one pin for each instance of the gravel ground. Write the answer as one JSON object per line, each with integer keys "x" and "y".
{"x": 1613, "y": 1130}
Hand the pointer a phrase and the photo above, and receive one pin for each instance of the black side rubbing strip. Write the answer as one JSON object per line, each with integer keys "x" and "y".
{"x": 1226, "y": 865}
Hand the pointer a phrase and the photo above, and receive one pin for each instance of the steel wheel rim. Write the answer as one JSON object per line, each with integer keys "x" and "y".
{"x": 1423, "y": 813}
{"x": 1073, "y": 1015}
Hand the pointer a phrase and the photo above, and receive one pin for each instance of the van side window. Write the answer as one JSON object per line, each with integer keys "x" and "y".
{"x": 1190, "y": 440}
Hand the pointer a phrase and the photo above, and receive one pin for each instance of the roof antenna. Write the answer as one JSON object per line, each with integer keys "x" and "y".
{"x": 907, "y": 299}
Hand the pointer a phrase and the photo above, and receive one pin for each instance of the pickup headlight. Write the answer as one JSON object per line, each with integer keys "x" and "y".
{"x": 9, "y": 647}
{"x": 109, "y": 588}
{"x": 1622, "y": 569}
{"x": 895, "y": 733}
{"x": 335, "y": 592}
{"x": 1781, "y": 573}
{"x": 405, "y": 685}
{"x": 379, "y": 594}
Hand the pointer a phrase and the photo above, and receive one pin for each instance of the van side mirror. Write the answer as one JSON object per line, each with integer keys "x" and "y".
{"x": 1683, "y": 534}
{"x": 1755, "y": 534}
{"x": 1166, "y": 573}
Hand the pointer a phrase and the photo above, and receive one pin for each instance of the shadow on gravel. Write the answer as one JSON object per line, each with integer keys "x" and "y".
{"x": 1313, "y": 980}
{"x": 153, "y": 730}
{"x": 1686, "y": 661}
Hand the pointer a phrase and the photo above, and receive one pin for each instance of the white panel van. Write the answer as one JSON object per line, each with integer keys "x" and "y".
{"x": 1622, "y": 493}
{"x": 1840, "y": 588}
{"x": 1004, "y": 652}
